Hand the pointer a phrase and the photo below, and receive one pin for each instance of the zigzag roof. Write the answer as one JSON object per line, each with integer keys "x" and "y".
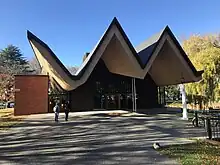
{"x": 139, "y": 60}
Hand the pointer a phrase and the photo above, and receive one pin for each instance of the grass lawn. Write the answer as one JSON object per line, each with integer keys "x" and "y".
{"x": 199, "y": 153}
{"x": 7, "y": 118}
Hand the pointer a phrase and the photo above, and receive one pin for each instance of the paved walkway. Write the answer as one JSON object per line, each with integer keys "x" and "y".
{"x": 93, "y": 138}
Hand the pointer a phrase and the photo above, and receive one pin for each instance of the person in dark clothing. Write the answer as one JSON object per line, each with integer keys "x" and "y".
{"x": 67, "y": 110}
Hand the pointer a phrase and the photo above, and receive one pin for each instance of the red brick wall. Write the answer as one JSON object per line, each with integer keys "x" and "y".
{"x": 33, "y": 95}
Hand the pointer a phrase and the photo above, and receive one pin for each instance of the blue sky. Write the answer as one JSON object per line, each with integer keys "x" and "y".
{"x": 73, "y": 27}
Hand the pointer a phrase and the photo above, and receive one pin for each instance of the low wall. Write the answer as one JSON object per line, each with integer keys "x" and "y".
{"x": 31, "y": 94}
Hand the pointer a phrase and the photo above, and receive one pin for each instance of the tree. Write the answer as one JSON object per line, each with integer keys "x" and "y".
{"x": 12, "y": 62}
{"x": 72, "y": 69}
{"x": 35, "y": 66}
{"x": 216, "y": 41}
{"x": 172, "y": 93}
{"x": 85, "y": 56}
{"x": 205, "y": 55}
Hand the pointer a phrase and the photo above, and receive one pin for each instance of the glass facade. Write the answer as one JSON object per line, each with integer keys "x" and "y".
{"x": 161, "y": 96}
{"x": 113, "y": 94}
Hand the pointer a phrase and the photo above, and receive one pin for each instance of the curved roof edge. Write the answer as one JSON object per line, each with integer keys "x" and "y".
{"x": 155, "y": 43}
{"x": 84, "y": 66}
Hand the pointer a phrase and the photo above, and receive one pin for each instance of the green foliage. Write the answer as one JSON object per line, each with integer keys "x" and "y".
{"x": 205, "y": 56}
{"x": 12, "y": 62}
{"x": 172, "y": 93}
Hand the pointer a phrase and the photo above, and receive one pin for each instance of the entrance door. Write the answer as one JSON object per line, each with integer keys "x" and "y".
{"x": 112, "y": 101}
{"x": 113, "y": 94}
{"x": 62, "y": 98}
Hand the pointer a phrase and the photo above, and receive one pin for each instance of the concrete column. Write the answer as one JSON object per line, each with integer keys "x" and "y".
{"x": 119, "y": 101}
{"x": 183, "y": 93}
{"x": 106, "y": 102}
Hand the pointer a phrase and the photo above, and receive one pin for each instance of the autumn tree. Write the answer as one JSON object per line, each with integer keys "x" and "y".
{"x": 205, "y": 55}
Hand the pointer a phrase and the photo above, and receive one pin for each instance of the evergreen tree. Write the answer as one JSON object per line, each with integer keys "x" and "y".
{"x": 12, "y": 62}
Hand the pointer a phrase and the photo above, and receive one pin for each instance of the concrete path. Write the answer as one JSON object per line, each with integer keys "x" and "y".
{"x": 94, "y": 138}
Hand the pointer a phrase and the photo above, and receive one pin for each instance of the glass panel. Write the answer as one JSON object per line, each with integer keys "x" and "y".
{"x": 113, "y": 94}
{"x": 161, "y": 96}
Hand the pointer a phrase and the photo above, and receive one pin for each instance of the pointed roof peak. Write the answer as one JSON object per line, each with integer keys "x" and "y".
{"x": 29, "y": 34}
{"x": 115, "y": 19}
{"x": 167, "y": 28}
{"x": 115, "y": 22}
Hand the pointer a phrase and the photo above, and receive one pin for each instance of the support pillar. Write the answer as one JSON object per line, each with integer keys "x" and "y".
{"x": 183, "y": 93}
{"x": 119, "y": 101}
{"x": 134, "y": 108}
{"x": 106, "y": 102}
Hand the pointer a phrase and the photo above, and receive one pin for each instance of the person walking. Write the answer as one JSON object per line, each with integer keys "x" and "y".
{"x": 56, "y": 110}
{"x": 67, "y": 110}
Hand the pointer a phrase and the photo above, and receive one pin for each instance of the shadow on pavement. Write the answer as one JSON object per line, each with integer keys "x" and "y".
{"x": 93, "y": 139}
